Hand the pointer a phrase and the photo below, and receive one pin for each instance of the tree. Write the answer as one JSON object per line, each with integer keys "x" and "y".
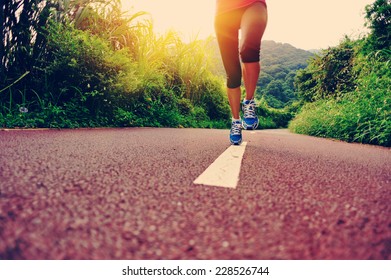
{"x": 328, "y": 75}
{"x": 306, "y": 84}
{"x": 280, "y": 63}
{"x": 276, "y": 89}
{"x": 378, "y": 16}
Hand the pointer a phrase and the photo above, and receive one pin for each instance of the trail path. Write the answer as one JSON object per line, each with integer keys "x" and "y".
{"x": 130, "y": 194}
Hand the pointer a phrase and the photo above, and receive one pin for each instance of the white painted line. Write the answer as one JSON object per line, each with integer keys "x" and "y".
{"x": 27, "y": 129}
{"x": 225, "y": 170}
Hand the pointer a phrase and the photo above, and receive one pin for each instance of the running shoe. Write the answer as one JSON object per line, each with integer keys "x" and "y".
{"x": 250, "y": 119}
{"x": 235, "y": 135}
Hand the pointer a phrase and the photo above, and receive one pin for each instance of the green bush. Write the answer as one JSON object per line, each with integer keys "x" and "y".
{"x": 274, "y": 118}
{"x": 352, "y": 101}
{"x": 214, "y": 99}
{"x": 363, "y": 115}
{"x": 85, "y": 73}
{"x": 97, "y": 69}
{"x": 330, "y": 74}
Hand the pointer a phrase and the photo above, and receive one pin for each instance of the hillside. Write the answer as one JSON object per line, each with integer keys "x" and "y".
{"x": 292, "y": 58}
{"x": 279, "y": 65}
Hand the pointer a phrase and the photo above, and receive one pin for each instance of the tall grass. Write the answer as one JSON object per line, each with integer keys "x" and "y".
{"x": 362, "y": 115}
{"x": 104, "y": 68}
{"x": 349, "y": 86}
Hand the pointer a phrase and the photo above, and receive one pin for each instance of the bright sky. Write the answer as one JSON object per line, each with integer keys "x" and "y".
{"x": 305, "y": 24}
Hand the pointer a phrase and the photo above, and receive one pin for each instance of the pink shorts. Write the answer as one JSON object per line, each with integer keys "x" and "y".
{"x": 224, "y": 6}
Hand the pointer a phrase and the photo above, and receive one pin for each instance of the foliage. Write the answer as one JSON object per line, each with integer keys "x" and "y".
{"x": 378, "y": 16}
{"x": 270, "y": 117}
{"x": 348, "y": 87}
{"x": 329, "y": 74}
{"x": 97, "y": 66}
{"x": 361, "y": 116}
{"x": 280, "y": 62}
{"x": 22, "y": 42}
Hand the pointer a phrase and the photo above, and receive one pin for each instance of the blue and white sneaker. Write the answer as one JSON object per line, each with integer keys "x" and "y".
{"x": 250, "y": 119}
{"x": 235, "y": 135}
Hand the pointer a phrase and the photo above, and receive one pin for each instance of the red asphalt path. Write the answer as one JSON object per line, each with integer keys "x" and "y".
{"x": 129, "y": 194}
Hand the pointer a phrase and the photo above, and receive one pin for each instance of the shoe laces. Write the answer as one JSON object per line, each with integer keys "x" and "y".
{"x": 236, "y": 128}
{"x": 249, "y": 110}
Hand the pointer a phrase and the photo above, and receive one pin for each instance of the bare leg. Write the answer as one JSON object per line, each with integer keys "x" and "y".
{"x": 234, "y": 97}
{"x": 250, "y": 77}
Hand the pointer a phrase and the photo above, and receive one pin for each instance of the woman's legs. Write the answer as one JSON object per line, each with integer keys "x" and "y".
{"x": 227, "y": 32}
{"x": 234, "y": 97}
{"x": 253, "y": 25}
{"x": 251, "y": 72}
{"x": 252, "y": 21}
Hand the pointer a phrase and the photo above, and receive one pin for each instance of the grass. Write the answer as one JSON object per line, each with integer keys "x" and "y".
{"x": 363, "y": 115}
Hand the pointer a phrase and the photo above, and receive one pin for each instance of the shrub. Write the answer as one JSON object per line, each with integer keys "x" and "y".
{"x": 363, "y": 115}
{"x": 98, "y": 70}
{"x": 274, "y": 118}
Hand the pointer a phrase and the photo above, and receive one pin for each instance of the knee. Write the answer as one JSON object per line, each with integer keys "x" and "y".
{"x": 249, "y": 53}
{"x": 234, "y": 81}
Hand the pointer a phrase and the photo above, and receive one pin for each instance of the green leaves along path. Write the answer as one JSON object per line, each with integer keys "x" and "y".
{"x": 347, "y": 89}
{"x": 94, "y": 65}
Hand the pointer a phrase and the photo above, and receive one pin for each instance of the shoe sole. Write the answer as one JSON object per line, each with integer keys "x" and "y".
{"x": 235, "y": 143}
{"x": 248, "y": 127}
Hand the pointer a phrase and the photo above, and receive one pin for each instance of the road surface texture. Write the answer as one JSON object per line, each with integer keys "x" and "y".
{"x": 129, "y": 194}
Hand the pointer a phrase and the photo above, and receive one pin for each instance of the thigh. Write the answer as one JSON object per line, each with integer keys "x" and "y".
{"x": 253, "y": 25}
{"x": 227, "y": 30}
